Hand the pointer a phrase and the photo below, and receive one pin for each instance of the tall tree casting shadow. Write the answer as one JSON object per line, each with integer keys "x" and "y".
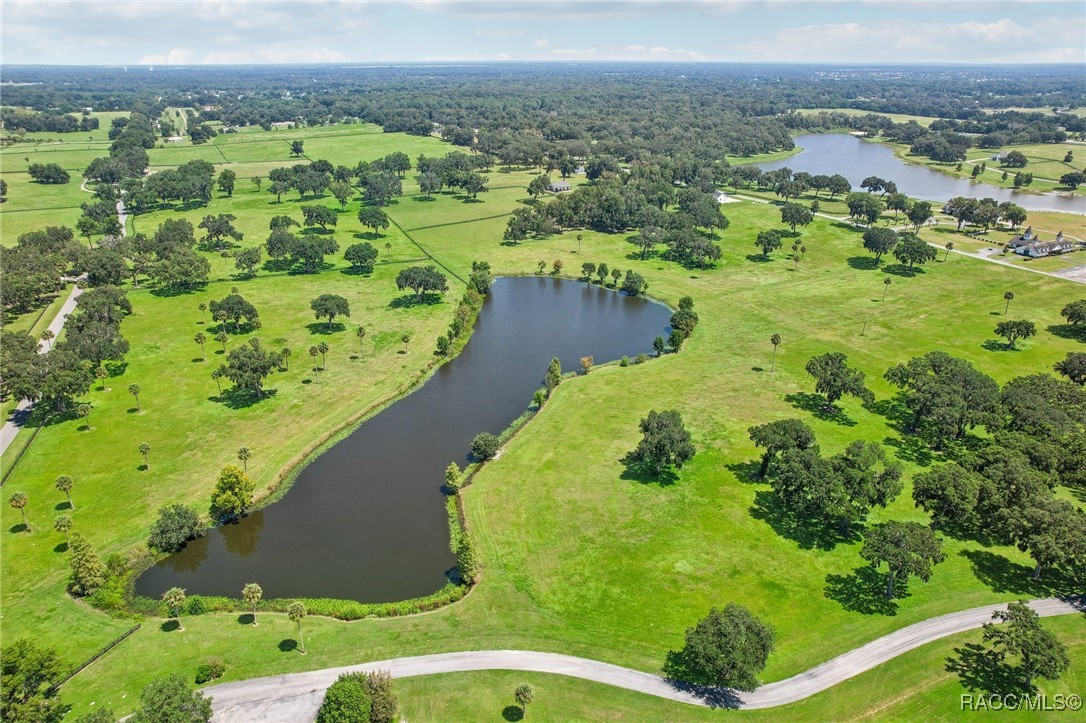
{"x": 982, "y": 670}
{"x": 647, "y": 475}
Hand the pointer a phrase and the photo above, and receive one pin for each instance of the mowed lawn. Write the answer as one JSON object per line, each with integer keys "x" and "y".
{"x": 578, "y": 559}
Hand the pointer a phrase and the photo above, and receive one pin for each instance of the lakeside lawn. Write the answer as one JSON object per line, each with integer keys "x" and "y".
{"x": 579, "y": 556}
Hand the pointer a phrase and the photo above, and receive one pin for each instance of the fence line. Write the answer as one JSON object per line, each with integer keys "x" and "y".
{"x": 99, "y": 654}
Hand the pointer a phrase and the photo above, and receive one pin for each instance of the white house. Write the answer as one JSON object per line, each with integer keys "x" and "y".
{"x": 559, "y": 186}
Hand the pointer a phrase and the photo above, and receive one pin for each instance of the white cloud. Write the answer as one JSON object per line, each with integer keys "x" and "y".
{"x": 541, "y": 43}
{"x": 997, "y": 41}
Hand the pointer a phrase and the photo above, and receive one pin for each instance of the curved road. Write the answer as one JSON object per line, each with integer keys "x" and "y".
{"x": 297, "y": 696}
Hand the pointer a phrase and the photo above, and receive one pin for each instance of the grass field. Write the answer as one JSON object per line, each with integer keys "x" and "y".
{"x": 923, "y": 120}
{"x": 578, "y": 558}
{"x": 1045, "y": 163}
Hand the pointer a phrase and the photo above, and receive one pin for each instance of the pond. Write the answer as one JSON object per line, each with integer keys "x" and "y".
{"x": 856, "y": 160}
{"x": 366, "y": 520}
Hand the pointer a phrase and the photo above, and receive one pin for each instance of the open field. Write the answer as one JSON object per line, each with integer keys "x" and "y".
{"x": 1045, "y": 163}
{"x": 923, "y": 120}
{"x": 580, "y": 557}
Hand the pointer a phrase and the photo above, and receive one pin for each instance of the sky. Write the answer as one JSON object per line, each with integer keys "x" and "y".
{"x": 189, "y": 32}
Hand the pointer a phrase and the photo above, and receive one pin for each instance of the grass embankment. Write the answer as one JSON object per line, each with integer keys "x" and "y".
{"x": 580, "y": 557}
{"x": 1045, "y": 163}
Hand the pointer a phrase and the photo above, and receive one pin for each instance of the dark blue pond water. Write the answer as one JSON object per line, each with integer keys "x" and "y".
{"x": 366, "y": 519}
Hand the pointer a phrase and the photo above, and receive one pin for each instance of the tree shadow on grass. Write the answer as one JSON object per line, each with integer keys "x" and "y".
{"x": 815, "y": 404}
{"x": 288, "y": 645}
{"x": 747, "y": 471}
{"x": 65, "y": 505}
{"x": 235, "y": 398}
{"x": 357, "y": 271}
{"x": 324, "y": 328}
{"x": 115, "y": 368}
{"x": 809, "y": 534}
{"x": 1069, "y": 331}
{"x": 758, "y": 258}
{"x": 982, "y": 670}
{"x": 1003, "y": 575}
{"x": 245, "y": 619}
{"x": 894, "y": 411}
{"x": 171, "y": 291}
{"x": 367, "y": 235}
{"x": 911, "y": 448}
{"x": 864, "y": 592}
{"x": 997, "y": 346}
{"x": 169, "y": 626}
{"x": 863, "y": 263}
{"x": 408, "y": 300}
{"x": 513, "y": 713}
{"x": 17, "y": 528}
{"x": 903, "y": 270}
{"x": 637, "y": 472}
{"x": 62, "y": 547}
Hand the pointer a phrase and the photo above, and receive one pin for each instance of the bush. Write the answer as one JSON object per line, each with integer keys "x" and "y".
{"x": 641, "y": 358}
{"x": 176, "y": 525}
{"x": 346, "y": 701}
{"x": 484, "y": 446}
{"x": 383, "y": 697}
{"x": 209, "y": 671}
{"x": 624, "y": 361}
{"x": 195, "y": 605}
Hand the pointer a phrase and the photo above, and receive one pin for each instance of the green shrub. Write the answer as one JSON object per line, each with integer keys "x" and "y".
{"x": 196, "y": 605}
{"x": 641, "y": 358}
{"x": 209, "y": 671}
{"x": 624, "y": 361}
{"x": 346, "y": 701}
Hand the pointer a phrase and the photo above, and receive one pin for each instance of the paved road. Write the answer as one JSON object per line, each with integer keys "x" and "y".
{"x": 22, "y": 410}
{"x": 296, "y": 697}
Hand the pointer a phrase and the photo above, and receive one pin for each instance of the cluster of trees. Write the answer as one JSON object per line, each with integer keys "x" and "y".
{"x": 190, "y": 182}
{"x": 457, "y": 170}
{"x": 1000, "y": 488}
{"x": 785, "y": 183}
{"x": 424, "y": 281}
{"x": 635, "y": 200}
{"x": 35, "y": 266}
{"x": 68, "y": 369}
{"x": 907, "y": 247}
{"x": 306, "y": 251}
{"x": 48, "y": 173}
{"x": 21, "y": 120}
{"x": 984, "y": 212}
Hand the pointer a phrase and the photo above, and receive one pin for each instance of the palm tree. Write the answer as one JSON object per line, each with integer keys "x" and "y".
{"x": 323, "y": 349}
{"x": 84, "y": 410}
{"x": 886, "y": 286}
{"x": 361, "y": 331}
{"x": 47, "y": 337}
{"x": 200, "y": 339}
{"x": 145, "y": 450}
{"x": 63, "y": 524}
{"x": 222, "y": 337}
{"x": 101, "y": 374}
{"x": 251, "y": 594}
{"x": 244, "y": 455}
{"x": 286, "y": 355}
{"x": 313, "y": 352}
{"x": 949, "y": 248}
{"x": 406, "y": 340}
{"x": 296, "y": 612}
{"x": 775, "y": 340}
{"x": 1008, "y": 296}
{"x": 64, "y": 484}
{"x": 19, "y": 501}
{"x": 217, "y": 375}
{"x": 388, "y": 247}
{"x": 134, "y": 390}
{"x": 175, "y": 598}
{"x": 203, "y": 311}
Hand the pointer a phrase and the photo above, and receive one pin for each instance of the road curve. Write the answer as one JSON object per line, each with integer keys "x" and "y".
{"x": 297, "y": 696}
